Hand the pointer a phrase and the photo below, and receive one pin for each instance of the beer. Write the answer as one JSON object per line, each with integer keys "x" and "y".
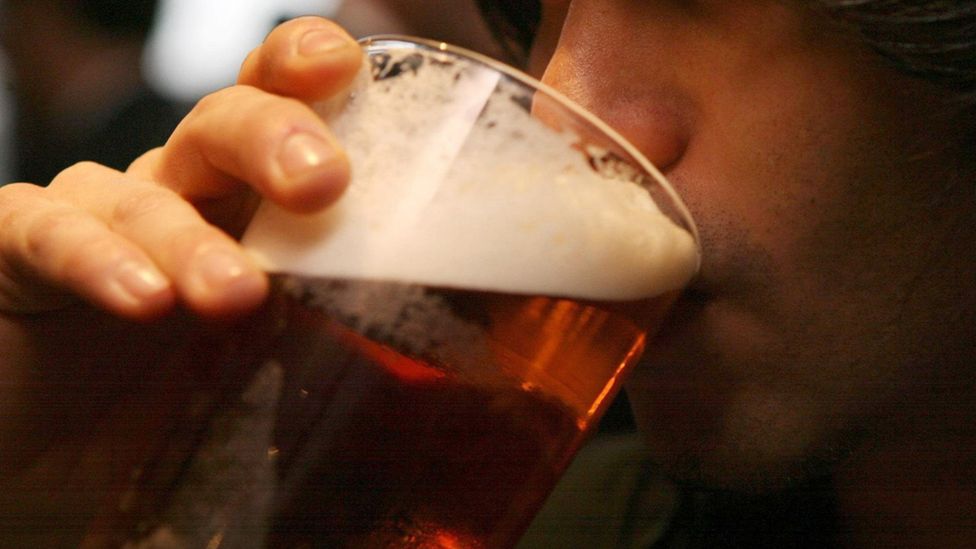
{"x": 406, "y": 416}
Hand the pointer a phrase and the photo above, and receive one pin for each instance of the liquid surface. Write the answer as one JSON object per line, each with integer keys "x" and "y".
{"x": 456, "y": 182}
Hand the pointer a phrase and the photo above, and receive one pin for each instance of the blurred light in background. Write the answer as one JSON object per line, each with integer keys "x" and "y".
{"x": 197, "y": 46}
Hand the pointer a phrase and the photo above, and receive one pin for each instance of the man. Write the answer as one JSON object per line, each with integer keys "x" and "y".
{"x": 831, "y": 331}
{"x": 817, "y": 339}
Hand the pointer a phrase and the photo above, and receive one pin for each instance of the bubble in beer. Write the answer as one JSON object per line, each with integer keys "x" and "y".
{"x": 459, "y": 182}
{"x": 415, "y": 320}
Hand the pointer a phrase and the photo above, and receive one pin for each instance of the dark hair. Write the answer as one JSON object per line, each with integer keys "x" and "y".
{"x": 125, "y": 17}
{"x": 931, "y": 39}
{"x": 514, "y": 23}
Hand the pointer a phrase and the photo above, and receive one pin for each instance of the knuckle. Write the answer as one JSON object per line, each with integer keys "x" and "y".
{"x": 201, "y": 111}
{"x": 218, "y": 99}
{"x": 141, "y": 164}
{"x": 15, "y": 196}
{"x": 246, "y": 115}
{"x": 88, "y": 255}
{"x": 47, "y": 231}
{"x": 80, "y": 172}
{"x": 285, "y": 114}
{"x": 191, "y": 240}
{"x": 207, "y": 102}
{"x": 16, "y": 190}
{"x": 139, "y": 204}
{"x": 16, "y": 200}
{"x": 216, "y": 114}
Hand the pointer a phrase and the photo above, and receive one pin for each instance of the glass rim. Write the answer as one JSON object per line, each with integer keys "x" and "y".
{"x": 577, "y": 109}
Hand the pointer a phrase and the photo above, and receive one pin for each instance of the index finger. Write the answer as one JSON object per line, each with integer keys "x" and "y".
{"x": 308, "y": 58}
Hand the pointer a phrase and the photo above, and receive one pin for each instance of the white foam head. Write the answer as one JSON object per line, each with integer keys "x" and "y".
{"x": 456, "y": 184}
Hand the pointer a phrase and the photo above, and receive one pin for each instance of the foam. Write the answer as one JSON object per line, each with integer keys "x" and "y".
{"x": 468, "y": 190}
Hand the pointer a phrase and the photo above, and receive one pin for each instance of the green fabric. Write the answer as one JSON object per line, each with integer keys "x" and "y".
{"x": 610, "y": 497}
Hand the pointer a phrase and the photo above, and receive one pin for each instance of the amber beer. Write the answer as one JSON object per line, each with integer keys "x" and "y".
{"x": 446, "y": 427}
{"x": 441, "y": 340}
{"x": 359, "y": 414}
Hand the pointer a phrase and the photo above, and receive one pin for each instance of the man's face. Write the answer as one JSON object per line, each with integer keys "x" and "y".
{"x": 818, "y": 178}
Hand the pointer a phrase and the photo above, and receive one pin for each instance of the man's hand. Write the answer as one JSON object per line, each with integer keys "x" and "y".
{"x": 139, "y": 242}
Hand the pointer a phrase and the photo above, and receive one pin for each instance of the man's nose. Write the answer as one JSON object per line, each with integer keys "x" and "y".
{"x": 652, "y": 115}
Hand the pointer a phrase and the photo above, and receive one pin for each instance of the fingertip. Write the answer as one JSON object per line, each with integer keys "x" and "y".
{"x": 238, "y": 297}
{"x": 310, "y": 58}
{"x": 328, "y": 187}
{"x": 142, "y": 166}
{"x": 137, "y": 291}
{"x": 323, "y": 40}
{"x": 314, "y": 173}
{"x": 224, "y": 282}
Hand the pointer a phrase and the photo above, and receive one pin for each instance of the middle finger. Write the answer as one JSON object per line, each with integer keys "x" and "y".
{"x": 279, "y": 146}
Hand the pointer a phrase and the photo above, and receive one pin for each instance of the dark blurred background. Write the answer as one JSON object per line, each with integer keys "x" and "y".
{"x": 107, "y": 79}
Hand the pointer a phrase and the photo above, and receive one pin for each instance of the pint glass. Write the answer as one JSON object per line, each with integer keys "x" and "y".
{"x": 439, "y": 343}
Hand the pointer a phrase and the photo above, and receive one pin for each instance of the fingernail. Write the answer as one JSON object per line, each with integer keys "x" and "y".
{"x": 140, "y": 281}
{"x": 319, "y": 41}
{"x": 302, "y": 153}
{"x": 219, "y": 268}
